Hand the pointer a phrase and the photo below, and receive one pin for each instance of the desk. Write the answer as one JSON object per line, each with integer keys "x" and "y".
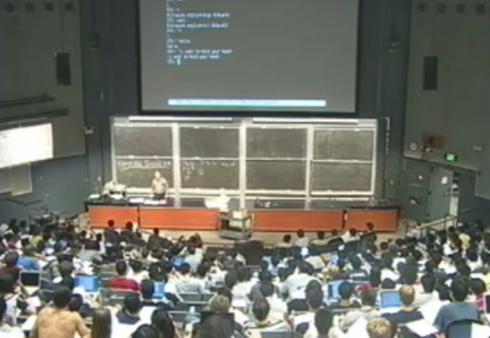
{"x": 265, "y": 220}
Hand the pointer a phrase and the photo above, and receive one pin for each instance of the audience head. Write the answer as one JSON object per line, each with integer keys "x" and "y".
{"x": 266, "y": 289}
{"x": 61, "y": 297}
{"x": 355, "y": 262}
{"x": 156, "y": 231}
{"x": 132, "y": 304}
{"x": 314, "y": 298}
{"x": 407, "y": 295}
{"x": 146, "y": 331}
{"x": 346, "y": 289}
{"x": 353, "y": 232}
{"x": 370, "y": 226}
{"x": 459, "y": 289}
{"x": 220, "y": 304}
{"x": 163, "y": 323}
{"x": 478, "y": 287}
{"x": 215, "y": 327}
{"x": 261, "y": 309}
{"x": 11, "y": 258}
{"x": 111, "y": 224}
{"x": 388, "y": 284}
{"x": 428, "y": 282}
{"x": 323, "y": 322}
{"x": 230, "y": 280}
{"x": 147, "y": 289}
{"x": 185, "y": 268}
{"x": 320, "y": 234}
{"x": 379, "y": 328}
{"x": 300, "y": 233}
{"x": 101, "y": 323}
{"x": 121, "y": 268}
{"x": 368, "y": 297}
{"x": 226, "y": 293}
{"x": 287, "y": 239}
{"x": 76, "y": 303}
{"x": 409, "y": 274}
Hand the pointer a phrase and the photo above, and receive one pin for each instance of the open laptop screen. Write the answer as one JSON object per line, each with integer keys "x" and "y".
{"x": 30, "y": 278}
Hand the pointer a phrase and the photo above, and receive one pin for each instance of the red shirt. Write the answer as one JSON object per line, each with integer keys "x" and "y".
{"x": 122, "y": 283}
{"x": 480, "y": 303}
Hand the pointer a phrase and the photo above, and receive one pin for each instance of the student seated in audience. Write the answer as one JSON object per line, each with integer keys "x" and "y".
{"x": 459, "y": 309}
{"x": 193, "y": 258}
{"x": 302, "y": 240}
{"x": 264, "y": 322}
{"x": 367, "y": 310}
{"x": 286, "y": 242}
{"x": 350, "y": 236}
{"x": 146, "y": 331}
{"x": 241, "y": 290}
{"x": 301, "y": 304}
{"x": 324, "y": 326}
{"x": 346, "y": 290}
{"x": 147, "y": 295}
{"x": 356, "y": 272}
{"x": 302, "y": 322}
{"x": 379, "y": 328}
{"x": 298, "y": 281}
{"x": 278, "y": 307}
{"x": 122, "y": 282}
{"x": 163, "y": 323}
{"x": 90, "y": 252}
{"x": 137, "y": 273}
{"x": 101, "y": 323}
{"x": 58, "y": 321}
{"x": 320, "y": 239}
{"x": 479, "y": 288}
{"x": 428, "y": 293}
{"x": 265, "y": 277}
{"x": 407, "y": 312}
{"x": 10, "y": 260}
{"x": 129, "y": 314}
{"x": 186, "y": 283}
{"x": 6, "y": 330}
{"x": 28, "y": 260}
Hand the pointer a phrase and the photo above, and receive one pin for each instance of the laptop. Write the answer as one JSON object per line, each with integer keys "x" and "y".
{"x": 90, "y": 284}
{"x": 390, "y": 299}
{"x": 31, "y": 281}
{"x": 333, "y": 289}
{"x": 159, "y": 292}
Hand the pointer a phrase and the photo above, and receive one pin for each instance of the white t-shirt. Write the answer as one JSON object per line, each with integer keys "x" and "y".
{"x": 302, "y": 242}
{"x": 11, "y": 332}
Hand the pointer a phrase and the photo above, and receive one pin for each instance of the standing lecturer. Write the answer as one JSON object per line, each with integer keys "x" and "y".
{"x": 159, "y": 186}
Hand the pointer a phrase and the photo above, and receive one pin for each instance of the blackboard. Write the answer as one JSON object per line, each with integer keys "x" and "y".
{"x": 276, "y": 175}
{"x": 139, "y": 173}
{"x": 209, "y": 142}
{"x": 344, "y": 145}
{"x": 209, "y": 174}
{"x": 143, "y": 141}
{"x": 341, "y": 177}
{"x": 276, "y": 143}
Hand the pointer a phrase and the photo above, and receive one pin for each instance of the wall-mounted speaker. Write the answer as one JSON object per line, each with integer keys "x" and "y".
{"x": 430, "y": 76}
{"x": 63, "y": 69}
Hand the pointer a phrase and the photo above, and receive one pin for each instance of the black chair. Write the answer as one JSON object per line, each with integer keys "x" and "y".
{"x": 460, "y": 328}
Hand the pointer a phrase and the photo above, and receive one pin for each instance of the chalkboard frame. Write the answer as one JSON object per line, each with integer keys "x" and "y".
{"x": 244, "y": 125}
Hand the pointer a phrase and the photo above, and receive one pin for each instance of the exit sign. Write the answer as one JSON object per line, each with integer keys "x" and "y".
{"x": 451, "y": 157}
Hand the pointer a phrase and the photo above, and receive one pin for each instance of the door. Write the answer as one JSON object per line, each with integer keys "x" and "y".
{"x": 440, "y": 193}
